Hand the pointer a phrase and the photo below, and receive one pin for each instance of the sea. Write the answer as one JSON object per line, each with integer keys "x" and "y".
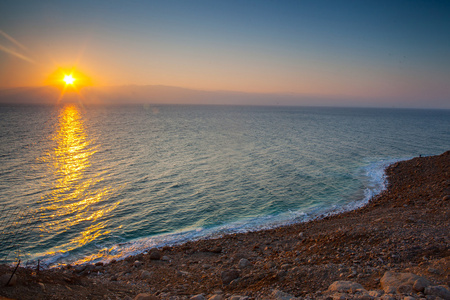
{"x": 94, "y": 183}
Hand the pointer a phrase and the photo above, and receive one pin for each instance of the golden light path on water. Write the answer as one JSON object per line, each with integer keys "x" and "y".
{"x": 76, "y": 210}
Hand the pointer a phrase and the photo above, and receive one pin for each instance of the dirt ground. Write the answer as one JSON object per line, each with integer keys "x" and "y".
{"x": 404, "y": 229}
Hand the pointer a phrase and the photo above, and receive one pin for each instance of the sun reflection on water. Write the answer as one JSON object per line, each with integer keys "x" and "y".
{"x": 76, "y": 209}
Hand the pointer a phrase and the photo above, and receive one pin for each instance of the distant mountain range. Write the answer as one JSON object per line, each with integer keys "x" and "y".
{"x": 152, "y": 94}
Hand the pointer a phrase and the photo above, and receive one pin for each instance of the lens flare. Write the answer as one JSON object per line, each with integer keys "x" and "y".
{"x": 68, "y": 79}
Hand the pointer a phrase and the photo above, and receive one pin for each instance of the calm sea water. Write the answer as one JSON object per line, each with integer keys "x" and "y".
{"x": 93, "y": 183}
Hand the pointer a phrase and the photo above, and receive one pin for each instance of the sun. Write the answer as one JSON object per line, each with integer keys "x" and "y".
{"x": 68, "y": 79}
{"x": 70, "y": 82}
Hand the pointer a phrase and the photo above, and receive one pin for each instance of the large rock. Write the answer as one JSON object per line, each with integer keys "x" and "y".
{"x": 229, "y": 275}
{"x": 438, "y": 291}
{"x": 345, "y": 287}
{"x": 420, "y": 284}
{"x": 392, "y": 281}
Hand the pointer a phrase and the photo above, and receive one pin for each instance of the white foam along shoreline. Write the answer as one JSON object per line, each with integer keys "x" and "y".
{"x": 375, "y": 182}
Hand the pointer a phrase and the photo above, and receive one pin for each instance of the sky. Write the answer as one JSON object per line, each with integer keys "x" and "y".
{"x": 395, "y": 52}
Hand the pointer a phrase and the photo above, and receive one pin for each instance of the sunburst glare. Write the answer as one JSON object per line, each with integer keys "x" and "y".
{"x": 68, "y": 79}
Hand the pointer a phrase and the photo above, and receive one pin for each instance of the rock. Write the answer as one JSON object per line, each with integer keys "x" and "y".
{"x": 387, "y": 297}
{"x": 80, "y": 268}
{"x": 404, "y": 289}
{"x": 365, "y": 297}
{"x": 345, "y": 287}
{"x": 5, "y": 278}
{"x": 165, "y": 258}
{"x": 155, "y": 255}
{"x": 281, "y": 273}
{"x": 420, "y": 284}
{"x": 446, "y": 198}
{"x": 215, "y": 297}
{"x": 376, "y": 293}
{"x": 243, "y": 263}
{"x": 391, "y": 281}
{"x": 98, "y": 263}
{"x": 236, "y": 297}
{"x": 137, "y": 264}
{"x": 409, "y": 298}
{"x": 279, "y": 295}
{"x": 88, "y": 269}
{"x": 438, "y": 291}
{"x": 338, "y": 296}
{"x": 98, "y": 268}
{"x": 145, "y": 296}
{"x": 216, "y": 249}
{"x": 229, "y": 275}
{"x": 198, "y": 297}
{"x": 145, "y": 274}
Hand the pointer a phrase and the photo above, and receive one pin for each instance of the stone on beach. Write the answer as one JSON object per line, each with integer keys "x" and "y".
{"x": 229, "y": 275}
{"x": 155, "y": 255}
{"x": 438, "y": 291}
{"x": 145, "y": 274}
{"x": 392, "y": 281}
{"x": 243, "y": 263}
{"x": 145, "y": 296}
{"x": 345, "y": 287}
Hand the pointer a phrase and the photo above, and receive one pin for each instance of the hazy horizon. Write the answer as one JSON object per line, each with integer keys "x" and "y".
{"x": 160, "y": 94}
{"x": 339, "y": 53}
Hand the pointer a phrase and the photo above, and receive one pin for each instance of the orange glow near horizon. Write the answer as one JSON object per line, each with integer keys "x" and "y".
{"x": 68, "y": 76}
{"x": 69, "y": 81}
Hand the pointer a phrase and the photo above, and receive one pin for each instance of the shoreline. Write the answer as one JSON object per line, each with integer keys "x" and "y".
{"x": 377, "y": 184}
{"x": 403, "y": 229}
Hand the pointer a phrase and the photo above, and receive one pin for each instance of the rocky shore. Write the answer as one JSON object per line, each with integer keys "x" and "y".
{"x": 396, "y": 247}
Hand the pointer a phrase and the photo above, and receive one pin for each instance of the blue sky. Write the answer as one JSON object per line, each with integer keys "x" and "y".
{"x": 373, "y": 50}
